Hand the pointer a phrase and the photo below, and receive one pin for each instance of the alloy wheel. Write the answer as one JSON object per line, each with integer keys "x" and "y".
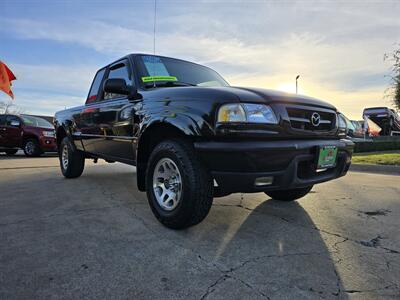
{"x": 167, "y": 184}
{"x": 30, "y": 148}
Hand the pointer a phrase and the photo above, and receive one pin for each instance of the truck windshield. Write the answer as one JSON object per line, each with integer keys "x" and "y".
{"x": 37, "y": 122}
{"x": 156, "y": 71}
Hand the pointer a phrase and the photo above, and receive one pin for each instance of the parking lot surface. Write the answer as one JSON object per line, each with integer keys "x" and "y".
{"x": 95, "y": 237}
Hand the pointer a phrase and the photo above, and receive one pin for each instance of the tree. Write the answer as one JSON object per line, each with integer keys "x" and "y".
{"x": 394, "y": 90}
{"x": 9, "y": 107}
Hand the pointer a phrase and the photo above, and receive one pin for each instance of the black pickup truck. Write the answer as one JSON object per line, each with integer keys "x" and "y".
{"x": 193, "y": 137}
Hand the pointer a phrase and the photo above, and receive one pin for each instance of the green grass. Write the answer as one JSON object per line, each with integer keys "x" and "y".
{"x": 378, "y": 158}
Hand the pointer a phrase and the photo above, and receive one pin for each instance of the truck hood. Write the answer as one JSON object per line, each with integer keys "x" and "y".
{"x": 232, "y": 94}
{"x": 267, "y": 96}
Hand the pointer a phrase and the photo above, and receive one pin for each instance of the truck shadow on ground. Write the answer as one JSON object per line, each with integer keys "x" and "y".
{"x": 248, "y": 247}
{"x": 271, "y": 247}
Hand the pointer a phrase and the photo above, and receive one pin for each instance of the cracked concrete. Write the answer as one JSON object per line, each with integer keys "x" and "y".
{"x": 95, "y": 237}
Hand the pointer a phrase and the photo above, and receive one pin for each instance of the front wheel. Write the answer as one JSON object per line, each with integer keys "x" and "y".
{"x": 72, "y": 161}
{"x": 289, "y": 195}
{"x": 32, "y": 148}
{"x": 179, "y": 188}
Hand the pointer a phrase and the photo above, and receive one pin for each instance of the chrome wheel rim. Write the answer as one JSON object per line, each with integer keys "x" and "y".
{"x": 30, "y": 148}
{"x": 64, "y": 157}
{"x": 167, "y": 184}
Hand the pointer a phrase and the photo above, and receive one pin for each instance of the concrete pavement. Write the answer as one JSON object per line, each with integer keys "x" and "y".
{"x": 95, "y": 237}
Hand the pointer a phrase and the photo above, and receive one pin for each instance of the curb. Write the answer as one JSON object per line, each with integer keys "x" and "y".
{"x": 379, "y": 169}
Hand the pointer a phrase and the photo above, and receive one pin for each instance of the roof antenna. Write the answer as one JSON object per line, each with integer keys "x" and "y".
{"x": 154, "y": 43}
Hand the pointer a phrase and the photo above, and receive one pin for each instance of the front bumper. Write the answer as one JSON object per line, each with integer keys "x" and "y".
{"x": 235, "y": 166}
{"x": 47, "y": 144}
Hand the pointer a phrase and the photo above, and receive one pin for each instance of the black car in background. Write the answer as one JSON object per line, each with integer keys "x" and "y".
{"x": 386, "y": 118}
{"x": 193, "y": 137}
{"x": 352, "y": 130}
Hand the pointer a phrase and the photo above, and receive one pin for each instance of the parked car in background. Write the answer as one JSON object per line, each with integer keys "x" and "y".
{"x": 351, "y": 129}
{"x": 358, "y": 128}
{"x": 32, "y": 134}
{"x": 386, "y": 118}
{"x": 193, "y": 137}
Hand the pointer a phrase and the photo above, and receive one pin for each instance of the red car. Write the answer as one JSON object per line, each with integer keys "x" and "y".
{"x": 32, "y": 134}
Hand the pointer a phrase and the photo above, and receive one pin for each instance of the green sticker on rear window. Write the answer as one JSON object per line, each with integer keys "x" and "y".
{"x": 159, "y": 78}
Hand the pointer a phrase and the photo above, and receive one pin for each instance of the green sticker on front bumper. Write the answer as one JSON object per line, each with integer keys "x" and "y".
{"x": 327, "y": 157}
{"x": 159, "y": 78}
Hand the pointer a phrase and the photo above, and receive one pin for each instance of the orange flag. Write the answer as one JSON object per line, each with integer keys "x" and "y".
{"x": 6, "y": 76}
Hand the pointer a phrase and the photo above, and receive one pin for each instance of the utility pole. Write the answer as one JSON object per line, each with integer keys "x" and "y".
{"x": 297, "y": 77}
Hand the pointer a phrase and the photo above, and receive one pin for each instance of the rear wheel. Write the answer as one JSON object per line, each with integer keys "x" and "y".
{"x": 32, "y": 148}
{"x": 72, "y": 161}
{"x": 289, "y": 195}
{"x": 11, "y": 151}
{"x": 179, "y": 188}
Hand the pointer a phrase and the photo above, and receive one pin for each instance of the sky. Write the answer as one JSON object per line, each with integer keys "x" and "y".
{"x": 337, "y": 47}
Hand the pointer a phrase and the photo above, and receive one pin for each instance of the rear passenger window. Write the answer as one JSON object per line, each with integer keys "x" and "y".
{"x": 95, "y": 86}
{"x": 10, "y": 119}
{"x": 119, "y": 70}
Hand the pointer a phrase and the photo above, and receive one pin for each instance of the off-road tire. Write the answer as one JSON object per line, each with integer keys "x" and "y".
{"x": 197, "y": 185}
{"x": 289, "y": 195}
{"x": 76, "y": 159}
{"x": 11, "y": 152}
{"x": 32, "y": 148}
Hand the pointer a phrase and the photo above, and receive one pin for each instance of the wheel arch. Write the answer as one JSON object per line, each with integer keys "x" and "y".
{"x": 61, "y": 133}
{"x": 29, "y": 136}
{"x": 153, "y": 135}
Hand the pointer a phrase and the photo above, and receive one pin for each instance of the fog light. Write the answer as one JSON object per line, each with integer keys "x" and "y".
{"x": 47, "y": 142}
{"x": 261, "y": 181}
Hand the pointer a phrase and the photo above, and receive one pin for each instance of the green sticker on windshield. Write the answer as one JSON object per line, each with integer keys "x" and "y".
{"x": 159, "y": 78}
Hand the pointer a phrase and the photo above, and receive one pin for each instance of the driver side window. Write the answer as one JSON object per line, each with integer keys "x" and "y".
{"x": 120, "y": 70}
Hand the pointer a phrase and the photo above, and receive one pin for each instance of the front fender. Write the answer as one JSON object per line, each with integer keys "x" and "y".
{"x": 189, "y": 125}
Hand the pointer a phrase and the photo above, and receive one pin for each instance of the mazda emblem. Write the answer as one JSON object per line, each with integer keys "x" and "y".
{"x": 315, "y": 119}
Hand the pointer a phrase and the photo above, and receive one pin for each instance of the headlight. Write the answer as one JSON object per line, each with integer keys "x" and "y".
{"x": 48, "y": 133}
{"x": 246, "y": 113}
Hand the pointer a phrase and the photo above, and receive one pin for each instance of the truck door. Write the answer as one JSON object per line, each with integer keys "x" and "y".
{"x": 13, "y": 132}
{"x": 2, "y": 131}
{"x": 114, "y": 118}
{"x": 85, "y": 120}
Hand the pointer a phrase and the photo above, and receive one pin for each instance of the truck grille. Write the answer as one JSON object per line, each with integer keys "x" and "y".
{"x": 311, "y": 119}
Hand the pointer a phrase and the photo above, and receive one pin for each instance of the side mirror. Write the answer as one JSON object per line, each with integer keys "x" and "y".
{"x": 119, "y": 86}
{"x": 15, "y": 123}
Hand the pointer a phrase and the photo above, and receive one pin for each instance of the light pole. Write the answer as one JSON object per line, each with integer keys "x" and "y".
{"x": 297, "y": 77}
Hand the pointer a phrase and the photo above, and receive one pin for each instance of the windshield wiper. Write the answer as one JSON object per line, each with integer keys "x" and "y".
{"x": 168, "y": 83}
{"x": 180, "y": 83}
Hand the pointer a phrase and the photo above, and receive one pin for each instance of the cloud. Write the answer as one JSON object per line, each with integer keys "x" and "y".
{"x": 54, "y": 78}
{"x": 100, "y": 36}
{"x": 45, "y": 89}
{"x": 44, "y": 103}
{"x": 336, "y": 47}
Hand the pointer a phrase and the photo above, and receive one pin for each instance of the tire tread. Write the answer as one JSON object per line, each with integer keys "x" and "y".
{"x": 76, "y": 159}
{"x": 198, "y": 177}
